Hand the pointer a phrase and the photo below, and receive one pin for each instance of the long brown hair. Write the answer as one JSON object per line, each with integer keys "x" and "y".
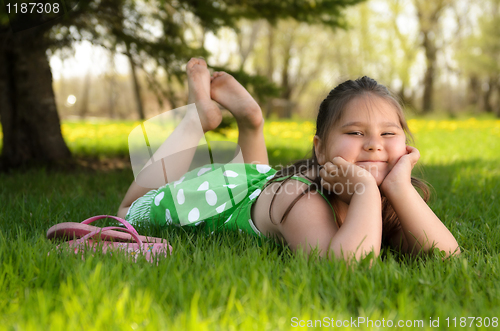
{"x": 330, "y": 112}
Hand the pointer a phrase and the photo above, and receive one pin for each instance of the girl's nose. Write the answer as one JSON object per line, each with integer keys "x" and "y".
{"x": 373, "y": 144}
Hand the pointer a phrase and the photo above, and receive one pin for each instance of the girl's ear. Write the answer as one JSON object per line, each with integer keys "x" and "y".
{"x": 318, "y": 149}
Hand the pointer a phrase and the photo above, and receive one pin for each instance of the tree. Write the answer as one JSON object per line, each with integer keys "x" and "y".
{"x": 288, "y": 56}
{"x": 429, "y": 13}
{"x": 367, "y": 47}
{"x": 84, "y": 105}
{"x": 110, "y": 78}
{"x": 28, "y": 112}
{"x": 479, "y": 57}
{"x": 245, "y": 48}
{"x": 407, "y": 43}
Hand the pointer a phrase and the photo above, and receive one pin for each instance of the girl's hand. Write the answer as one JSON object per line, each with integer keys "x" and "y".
{"x": 344, "y": 178}
{"x": 400, "y": 174}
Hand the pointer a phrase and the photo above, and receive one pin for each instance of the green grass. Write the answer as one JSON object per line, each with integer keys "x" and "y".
{"x": 232, "y": 282}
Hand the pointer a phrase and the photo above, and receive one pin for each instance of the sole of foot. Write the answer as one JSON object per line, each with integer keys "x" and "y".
{"x": 228, "y": 92}
{"x": 199, "y": 94}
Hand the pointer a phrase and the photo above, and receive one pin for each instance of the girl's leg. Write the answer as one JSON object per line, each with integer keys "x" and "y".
{"x": 226, "y": 90}
{"x": 183, "y": 141}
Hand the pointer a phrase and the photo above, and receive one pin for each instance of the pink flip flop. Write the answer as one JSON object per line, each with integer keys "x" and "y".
{"x": 73, "y": 230}
{"x": 151, "y": 250}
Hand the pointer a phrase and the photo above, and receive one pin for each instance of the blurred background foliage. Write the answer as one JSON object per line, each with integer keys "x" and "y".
{"x": 125, "y": 60}
{"x": 154, "y": 39}
{"x": 440, "y": 57}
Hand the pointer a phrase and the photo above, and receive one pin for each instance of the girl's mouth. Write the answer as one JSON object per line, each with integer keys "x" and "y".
{"x": 371, "y": 161}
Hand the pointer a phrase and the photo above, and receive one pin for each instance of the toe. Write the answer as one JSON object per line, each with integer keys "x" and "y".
{"x": 218, "y": 74}
{"x": 191, "y": 63}
{"x": 194, "y": 61}
{"x": 202, "y": 62}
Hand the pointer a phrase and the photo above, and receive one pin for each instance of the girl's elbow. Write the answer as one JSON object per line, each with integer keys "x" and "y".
{"x": 351, "y": 254}
{"x": 455, "y": 252}
{"x": 451, "y": 250}
{"x": 454, "y": 249}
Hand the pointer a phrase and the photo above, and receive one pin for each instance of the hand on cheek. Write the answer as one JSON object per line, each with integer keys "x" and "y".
{"x": 400, "y": 174}
{"x": 343, "y": 178}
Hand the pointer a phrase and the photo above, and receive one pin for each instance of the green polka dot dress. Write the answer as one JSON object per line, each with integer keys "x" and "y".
{"x": 219, "y": 196}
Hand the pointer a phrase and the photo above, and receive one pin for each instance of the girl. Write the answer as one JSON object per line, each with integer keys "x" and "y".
{"x": 355, "y": 190}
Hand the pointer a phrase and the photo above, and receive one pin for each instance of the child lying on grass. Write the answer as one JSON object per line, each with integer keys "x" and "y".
{"x": 353, "y": 193}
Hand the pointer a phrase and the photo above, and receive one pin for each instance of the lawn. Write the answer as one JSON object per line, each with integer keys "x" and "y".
{"x": 230, "y": 281}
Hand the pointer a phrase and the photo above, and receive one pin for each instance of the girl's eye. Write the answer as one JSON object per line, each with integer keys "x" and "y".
{"x": 357, "y": 133}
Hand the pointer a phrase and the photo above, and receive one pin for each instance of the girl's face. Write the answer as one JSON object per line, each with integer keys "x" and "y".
{"x": 368, "y": 134}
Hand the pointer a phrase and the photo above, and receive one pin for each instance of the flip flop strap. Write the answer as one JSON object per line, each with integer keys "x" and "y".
{"x": 93, "y": 233}
{"x": 121, "y": 220}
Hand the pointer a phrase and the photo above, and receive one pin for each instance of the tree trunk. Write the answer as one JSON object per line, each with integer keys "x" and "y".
{"x": 270, "y": 66}
{"x": 111, "y": 98}
{"x": 112, "y": 86}
{"x": 28, "y": 112}
{"x": 286, "y": 84}
{"x": 429, "y": 13}
{"x": 137, "y": 88}
{"x": 473, "y": 91}
{"x": 487, "y": 95}
{"x": 84, "y": 105}
{"x": 245, "y": 51}
{"x": 497, "y": 111}
{"x": 430, "y": 54}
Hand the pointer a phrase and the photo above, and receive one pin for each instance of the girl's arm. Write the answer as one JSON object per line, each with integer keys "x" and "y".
{"x": 422, "y": 229}
{"x": 311, "y": 223}
{"x": 361, "y": 230}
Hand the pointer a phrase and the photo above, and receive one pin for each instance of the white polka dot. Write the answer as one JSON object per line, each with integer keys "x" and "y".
{"x": 231, "y": 186}
{"x": 203, "y": 170}
{"x": 193, "y": 215}
{"x": 263, "y": 168}
{"x": 178, "y": 182}
{"x": 211, "y": 197}
{"x": 158, "y": 198}
{"x": 220, "y": 209}
{"x": 168, "y": 217}
{"x": 198, "y": 223}
{"x": 203, "y": 186}
{"x": 180, "y": 197}
{"x": 230, "y": 173}
{"x": 255, "y": 194}
{"x": 228, "y": 218}
{"x": 269, "y": 177}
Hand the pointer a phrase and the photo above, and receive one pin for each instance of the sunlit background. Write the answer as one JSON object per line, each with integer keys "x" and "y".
{"x": 392, "y": 41}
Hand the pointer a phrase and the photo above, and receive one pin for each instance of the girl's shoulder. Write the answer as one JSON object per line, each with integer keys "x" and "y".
{"x": 305, "y": 182}
{"x": 290, "y": 201}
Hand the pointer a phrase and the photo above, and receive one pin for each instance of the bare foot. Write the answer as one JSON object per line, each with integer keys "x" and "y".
{"x": 226, "y": 90}
{"x": 199, "y": 94}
